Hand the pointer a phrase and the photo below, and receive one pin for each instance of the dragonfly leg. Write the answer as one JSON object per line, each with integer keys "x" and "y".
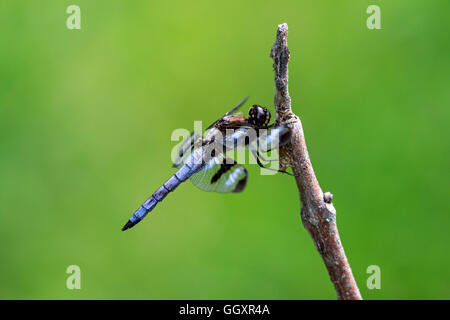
{"x": 255, "y": 154}
{"x": 259, "y": 155}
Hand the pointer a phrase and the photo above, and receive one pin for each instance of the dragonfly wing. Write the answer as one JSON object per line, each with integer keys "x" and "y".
{"x": 185, "y": 149}
{"x": 274, "y": 138}
{"x": 232, "y": 111}
{"x": 221, "y": 175}
{"x": 195, "y": 138}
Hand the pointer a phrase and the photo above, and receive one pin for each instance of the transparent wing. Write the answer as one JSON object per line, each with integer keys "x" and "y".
{"x": 274, "y": 138}
{"x": 221, "y": 175}
{"x": 186, "y": 148}
{"x": 232, "y": 111}
{"x": 194, "y": 139}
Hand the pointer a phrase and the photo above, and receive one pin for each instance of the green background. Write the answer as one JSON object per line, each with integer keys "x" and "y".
{"x": 85, "y": 123}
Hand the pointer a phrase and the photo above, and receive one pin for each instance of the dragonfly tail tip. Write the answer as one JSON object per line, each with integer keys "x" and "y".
{"x": 127, "y": 225}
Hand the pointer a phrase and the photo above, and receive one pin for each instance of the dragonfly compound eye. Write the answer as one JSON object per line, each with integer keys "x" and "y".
{"x": 259, "y": 116}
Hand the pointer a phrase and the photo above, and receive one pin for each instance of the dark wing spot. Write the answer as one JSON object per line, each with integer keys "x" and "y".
{"x": 241, "y": 184}
{"x": 224, "y": 167}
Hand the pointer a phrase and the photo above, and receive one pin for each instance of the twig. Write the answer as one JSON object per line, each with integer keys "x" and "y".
{"x": 318, "y": 213}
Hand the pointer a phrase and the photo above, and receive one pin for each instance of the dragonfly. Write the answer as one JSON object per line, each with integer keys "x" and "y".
{"x": 203, "y": 158}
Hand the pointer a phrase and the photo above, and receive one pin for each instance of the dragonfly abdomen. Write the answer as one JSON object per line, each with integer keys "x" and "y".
{"x": 170, "y": 185}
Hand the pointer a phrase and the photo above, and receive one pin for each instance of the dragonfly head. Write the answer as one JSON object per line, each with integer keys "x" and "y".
{"x": 258, "y": 116}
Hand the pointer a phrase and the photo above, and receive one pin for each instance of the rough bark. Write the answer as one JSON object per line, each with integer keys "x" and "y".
{"x": 317, "y": 213}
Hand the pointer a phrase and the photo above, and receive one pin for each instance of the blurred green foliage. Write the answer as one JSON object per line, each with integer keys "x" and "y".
{"x": 85, "y": 123}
